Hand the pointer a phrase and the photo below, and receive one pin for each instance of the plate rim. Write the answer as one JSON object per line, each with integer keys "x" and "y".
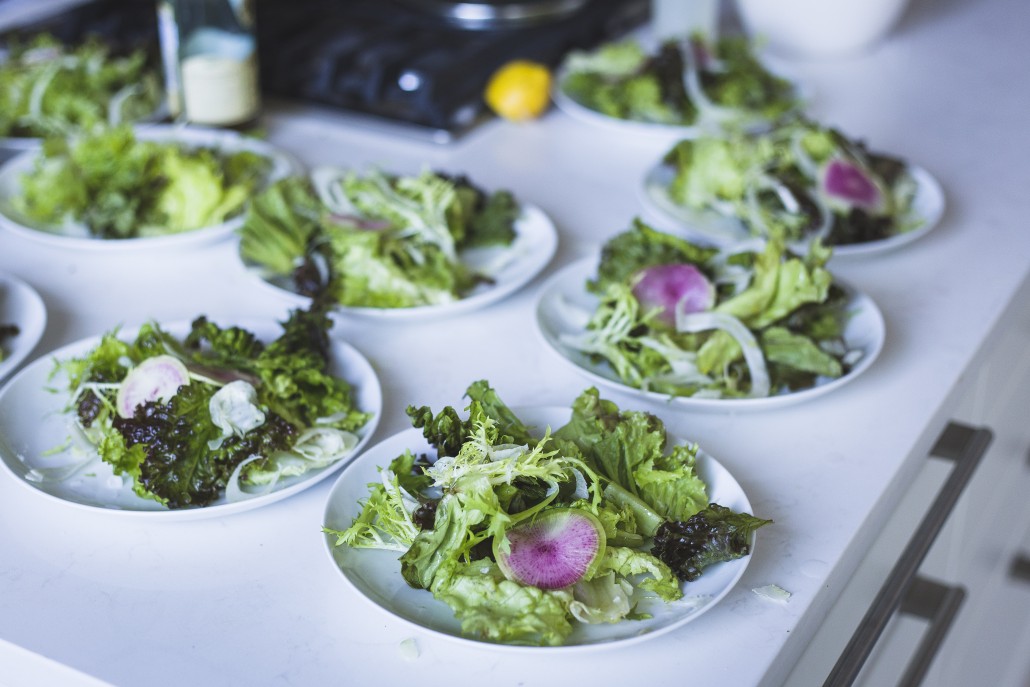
{"x": 653, "y": 193}
{"x": 348, "y": 354}
{"x": 30, "y": 338}
{"x": 284, "y": 164}
{"x": 540, "y": 256}
{"x": 584, "y": 267}
{"x": 367, "y": 461}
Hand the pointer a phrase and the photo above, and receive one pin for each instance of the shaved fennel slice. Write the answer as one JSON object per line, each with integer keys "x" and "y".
{"x": 708, "y": 111}
{"x": 315, "y": 448}
{"x": 117, "y": 102}
{"x": 683, "y": 363}
{"x": 736, "y": 275}
{"x": 790, "y": 205}
{"x": 328, "y": 186}
{"x": 753, "y": 356}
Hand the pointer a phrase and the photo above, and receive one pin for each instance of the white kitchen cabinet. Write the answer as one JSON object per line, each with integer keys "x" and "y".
{"x": 983, "y": 548}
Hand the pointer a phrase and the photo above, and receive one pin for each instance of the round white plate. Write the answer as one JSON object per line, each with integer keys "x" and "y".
{"x": 511, "y": 268}
{"x": 33, "y": 424}
{"x": 19, "y": 305}
{"x": 565, "y": 305}
{"x": 720, "y": 230}
{"x": 76, "y": 236}
{"x": 377, "y": 577}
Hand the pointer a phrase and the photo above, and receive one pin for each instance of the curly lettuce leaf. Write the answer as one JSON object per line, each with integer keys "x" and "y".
{"x": 385, "y": 520}
{"x": 495, "y": 609}
{"x": 648, "y": 571}
{"x": 713, "y": 535}
{"x": 628, "y": 447}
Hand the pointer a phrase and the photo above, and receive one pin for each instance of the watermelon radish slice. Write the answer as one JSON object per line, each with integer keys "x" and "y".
{"x": 674, "y": 286}
{"x": 850, "y": 185}
{"x": 154, "y": 379}
{"x": 552, "y": 551}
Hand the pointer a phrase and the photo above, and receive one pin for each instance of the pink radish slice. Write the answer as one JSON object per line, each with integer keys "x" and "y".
{"x": 671, "y": 286}
{"x": 846, "y": 182}
{"x": 552, "y": 551}
{"x": 154, "y": 379}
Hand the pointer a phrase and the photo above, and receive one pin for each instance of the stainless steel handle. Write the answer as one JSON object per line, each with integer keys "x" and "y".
{"x": 938, "y": 603}
{"x": 965, "y": 446}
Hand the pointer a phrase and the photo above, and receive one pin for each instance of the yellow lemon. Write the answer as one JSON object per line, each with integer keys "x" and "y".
{"x": 519, "y": 90}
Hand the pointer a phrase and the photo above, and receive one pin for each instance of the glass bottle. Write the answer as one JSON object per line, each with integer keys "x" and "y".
{"x": 209, "y": 50}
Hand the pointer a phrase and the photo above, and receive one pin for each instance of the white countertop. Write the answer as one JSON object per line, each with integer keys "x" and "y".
{"x": 253, "y": 598}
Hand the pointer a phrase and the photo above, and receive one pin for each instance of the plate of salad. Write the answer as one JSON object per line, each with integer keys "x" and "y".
{"x": 802, "y": 180}
{"x": 540, "y": 529}
{"x": 682, "y": 88}
{"x": 137, "y": 187}
{"x": 745, "y": 328}
{"x": 22, "y": 321}
{"x": 48, "y": 88}
{"x": 392, "y": 246}
{"x": 190, "y": 420}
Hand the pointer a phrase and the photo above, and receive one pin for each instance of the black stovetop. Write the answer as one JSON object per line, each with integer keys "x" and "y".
{"x": 387, "y": 60}
{"x": 383, "y": 60}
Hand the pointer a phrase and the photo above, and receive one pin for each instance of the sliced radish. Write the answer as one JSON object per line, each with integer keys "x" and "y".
{"x": 847, "y": 183}
{"x": 673, "y": 287}
{"x": 154, "y": 379}
{"x": 553, "y": 551}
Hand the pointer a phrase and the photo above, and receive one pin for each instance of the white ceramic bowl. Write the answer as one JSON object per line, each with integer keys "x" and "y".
{"x": 820, "y": 28}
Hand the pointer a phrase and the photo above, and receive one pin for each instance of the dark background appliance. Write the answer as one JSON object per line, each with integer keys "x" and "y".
{"x": 420, "y": 63}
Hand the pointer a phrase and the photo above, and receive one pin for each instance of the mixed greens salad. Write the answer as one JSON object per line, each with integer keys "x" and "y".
{"x": 50, "y": 89}
{"x": 694, "y": 82}
{"x": 119, "y": 186}
{"x": 744, "y": 322}
{"x": 799, "y": 180}
{"x": 523, "y": 536}
{"x": 376, "y": 240}
{"x": 217, "y": 412}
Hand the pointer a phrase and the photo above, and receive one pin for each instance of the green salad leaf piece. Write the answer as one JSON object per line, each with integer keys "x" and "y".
{"x": 449, "y": 515}
{"x": 51, "y": 89}
{"x": 120, "y": 187}
{"x": 495, "y": 609}
{"x": 714, "y": 535}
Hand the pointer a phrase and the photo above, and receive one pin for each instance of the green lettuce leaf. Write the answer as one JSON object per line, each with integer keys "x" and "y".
{"x": 628, "y": 448}
{"x": 495, "y": 609}
{"x": 714, "y": 535}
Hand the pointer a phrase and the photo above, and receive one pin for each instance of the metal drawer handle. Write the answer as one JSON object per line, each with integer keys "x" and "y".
{"x": 965, "y": 446}
{"x": 938, "y": 603}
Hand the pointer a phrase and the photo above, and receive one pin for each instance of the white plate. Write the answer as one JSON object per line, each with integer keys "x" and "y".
{"x": 19, "y": 305}
{"x": 720, "y": 230}
{"x": 376, "y": 574}
{"x": 32, "y": 424}
{"x": 565, "y": 304}
{"x": 75, "y": 236}
{"x": 535, "y": 243}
